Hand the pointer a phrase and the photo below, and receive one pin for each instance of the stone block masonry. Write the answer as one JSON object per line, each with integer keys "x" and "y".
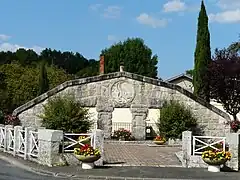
{"x": 126, "y": 90}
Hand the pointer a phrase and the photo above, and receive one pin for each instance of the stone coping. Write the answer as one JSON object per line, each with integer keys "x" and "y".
{"x": 103, "y": 77}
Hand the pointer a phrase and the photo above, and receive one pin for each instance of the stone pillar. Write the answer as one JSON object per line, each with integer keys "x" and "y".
{"x": 99, "y": 143}
{"x": 233, "y": 140}
{"x": 104, "y": 121}
{"x": 139, "y": 115}
{"x": 49, "y": 144}
{"x": 17, "y": 136}
{"x": 186, "y": 148}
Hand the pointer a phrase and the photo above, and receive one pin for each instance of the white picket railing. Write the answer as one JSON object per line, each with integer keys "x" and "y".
{"x": 202, "y": 142}
{"x": 11, "y": 139}
{"x": 34, "y": 149}
{"x": 2, "y": 137}
{"x": 19, "y": 141}
{"x": 71, "y": 139}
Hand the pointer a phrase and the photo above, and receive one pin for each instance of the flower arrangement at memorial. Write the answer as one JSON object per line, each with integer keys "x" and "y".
{"x": 122, "y": 134}
{"x": 87, "y": 153}
{"x": 159, "y": 140}
{"x": 216, "y": 157}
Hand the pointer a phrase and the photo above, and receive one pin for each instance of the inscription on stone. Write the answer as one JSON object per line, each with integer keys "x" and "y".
{"x": 122, "y": 92}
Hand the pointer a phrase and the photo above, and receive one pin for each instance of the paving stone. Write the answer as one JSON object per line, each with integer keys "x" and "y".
{"x": 140, "y": 155}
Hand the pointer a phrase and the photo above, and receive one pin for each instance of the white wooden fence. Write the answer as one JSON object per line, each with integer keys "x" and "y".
{"x": 72, "y": 139}
{"x": 200, "y": 143}
{"x": 19, "y": 141}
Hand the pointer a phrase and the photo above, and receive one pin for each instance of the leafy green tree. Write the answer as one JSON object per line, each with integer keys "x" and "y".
{"x": 22, "y": 83}
{"x": 67, "y": 114}
{"x": 135, "y": 56}
{"x": 43, "y": 79}
{"x": 202, "y": 56}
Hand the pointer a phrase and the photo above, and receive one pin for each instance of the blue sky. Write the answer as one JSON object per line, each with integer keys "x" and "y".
{"x": 168, "y": 27}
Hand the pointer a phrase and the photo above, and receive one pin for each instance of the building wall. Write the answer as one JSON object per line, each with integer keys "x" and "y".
{"x": 126, "y": 97}
{"x": 184, "y": 83}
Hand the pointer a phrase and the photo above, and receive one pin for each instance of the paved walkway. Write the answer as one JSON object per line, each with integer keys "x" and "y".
{"x": 140, "y": 155}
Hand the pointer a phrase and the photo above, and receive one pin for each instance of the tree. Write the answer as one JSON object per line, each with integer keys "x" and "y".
{"x": 135, "y": 56}
{"x": 224, "y": 80}
{"x": 202, "y": 56}
{"x": 189, "y": 72}
{"x": 43, "y": 79}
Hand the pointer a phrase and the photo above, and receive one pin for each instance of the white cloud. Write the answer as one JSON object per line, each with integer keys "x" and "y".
{"x": 229, "y": 4}
{"x": 14, "y": 47}
{"x": 146, "y": 19}
{"x": 4, "y": 37}
{"x": 229, "y": 16}
{"x": 112, "y": 12}
{"x": 174, "y": 6}
{"x": 112, "y": 38}
{"x": 95, "y": 7}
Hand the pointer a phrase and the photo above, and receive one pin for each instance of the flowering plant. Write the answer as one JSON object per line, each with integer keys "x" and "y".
{"x": 122, "y": 133}
{"x": 235, "y": 125}
{"x": 216, "y": 155}
{"x": 159, "y": 138}
{"x": 87, "y": 150}
{"x": 84, "y": 139}
{"x": 12, "y": 120}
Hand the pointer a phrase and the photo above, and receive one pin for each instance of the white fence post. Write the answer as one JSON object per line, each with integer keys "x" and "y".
{"x": 16, "y": 139}
{"x": 27, "y": 141}
{"x": 2, "y": 137}
{"x": 9, "y": 137}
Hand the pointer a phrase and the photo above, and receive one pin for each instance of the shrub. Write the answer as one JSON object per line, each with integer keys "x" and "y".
{"x": 67, "y": 114}
{"x": 11, "y": 120}
{"x": 174, "y": 119}
{"x": 122, "y": 133}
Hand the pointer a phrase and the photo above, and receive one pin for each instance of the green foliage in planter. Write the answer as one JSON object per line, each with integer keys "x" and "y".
{"x": 67, "y": 114}
{"x": 174, "y": 119}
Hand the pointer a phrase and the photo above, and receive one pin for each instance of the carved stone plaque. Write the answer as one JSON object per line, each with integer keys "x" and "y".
{"x": 122, "y": 92}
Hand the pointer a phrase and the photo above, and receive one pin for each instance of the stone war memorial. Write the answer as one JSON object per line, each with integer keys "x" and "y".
{"x": 134, "y": 94}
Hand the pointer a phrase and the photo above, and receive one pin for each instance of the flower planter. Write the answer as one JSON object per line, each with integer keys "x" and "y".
{"x": 159, "y": 142}
{"x": 87, "y": 161}
{"x": 214, "y": 165}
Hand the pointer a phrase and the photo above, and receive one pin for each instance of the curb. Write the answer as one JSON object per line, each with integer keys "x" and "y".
{"x": 65, "y": 175}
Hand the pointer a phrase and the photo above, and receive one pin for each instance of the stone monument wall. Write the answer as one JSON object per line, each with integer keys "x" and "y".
{"x": 126, "y": 90}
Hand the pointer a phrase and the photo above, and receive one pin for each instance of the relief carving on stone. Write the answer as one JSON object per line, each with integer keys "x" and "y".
{"x": 122, "y": 92}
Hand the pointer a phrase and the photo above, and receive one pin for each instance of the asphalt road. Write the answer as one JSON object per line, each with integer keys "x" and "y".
{"x": 11, "y": 172}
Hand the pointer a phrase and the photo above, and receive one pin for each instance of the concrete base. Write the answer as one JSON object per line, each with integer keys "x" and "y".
{"x": 87, "y": 165}
{"x": 213, "y": 168}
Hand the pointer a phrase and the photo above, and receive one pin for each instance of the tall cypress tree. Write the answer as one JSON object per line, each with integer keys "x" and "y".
{"x": 202, "y": 56}
{"x": 43, "y": 79}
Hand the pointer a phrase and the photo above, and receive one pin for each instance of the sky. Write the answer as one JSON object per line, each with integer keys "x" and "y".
{"x": 168, "y": 27}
